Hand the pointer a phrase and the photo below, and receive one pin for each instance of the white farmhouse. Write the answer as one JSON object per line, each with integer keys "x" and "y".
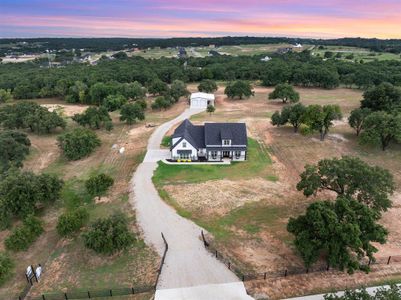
{"x": 201, "y": 100}
{"x": 209, "y": 142}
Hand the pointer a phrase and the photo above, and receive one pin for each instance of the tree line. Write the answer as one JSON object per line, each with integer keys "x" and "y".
{"x": 80, "y": 83}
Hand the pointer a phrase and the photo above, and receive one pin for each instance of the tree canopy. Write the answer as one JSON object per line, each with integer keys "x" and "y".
{"x": 30, "y": 115}
{"x": 14, "y": 147}
{"x": 385, "y": 97}
{"x": 357, "y": 118}
{"x": 207, "y": 86}
{"x": 349, "y": 177}
{"x": 320, "y": 118}
{"x": 21, "y": 192}
{"x": 109, "y": 235}
{"x": 342, "y": 231}
{"x": 240, "y": 89}
{"x": 97, "y": 185}
{"x": 131, "y": 112}
{"x": 78, "y": 143}
{"x": 285, "y": 92}
{"x": 293, "y": 114}
{"x": 114, "y": 102}
{"x": 94, "y": 117}
{"x": 381, "y": 128}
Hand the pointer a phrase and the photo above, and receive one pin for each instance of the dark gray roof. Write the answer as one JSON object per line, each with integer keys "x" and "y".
{"x": 211, "y": 134}
{"x": 195, "y": 135}
{"x": 216, "y": 132}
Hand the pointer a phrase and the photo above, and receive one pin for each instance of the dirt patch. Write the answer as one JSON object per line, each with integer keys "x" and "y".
{"x": 44, "y": 151}
{"x": 65, "y": 109}
{"x": 221, "y": 196}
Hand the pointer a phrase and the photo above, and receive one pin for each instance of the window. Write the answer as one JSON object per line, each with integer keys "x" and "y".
{"x": 226, "y": 142}
{"x": 237, "y": 154}
{"x": 184, "y": 144}
{"x": 214, "y": 154}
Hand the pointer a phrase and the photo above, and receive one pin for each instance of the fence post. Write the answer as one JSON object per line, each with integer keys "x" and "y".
{"x": 216, "y": 253}
{"x": 264, "y": 276}
{"x": 243, "y": 277}
{"x": 43, "y": 297}
{"x": 388, "y": 261}
{"x": 89, "y": 294}
{"x": 307, "y": 270}
{"x": 229, "y": 265}
{"x": 34, "y": 273}
{"x": 133, "y": 291}
{"x": 285, "y": 273}
{"x": 111, "y": 293}
{"x": 65, "y": 296}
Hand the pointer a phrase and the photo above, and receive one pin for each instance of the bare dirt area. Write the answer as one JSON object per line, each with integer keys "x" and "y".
{"x": 65, "y": 109}
{"x": 255, "y": 212}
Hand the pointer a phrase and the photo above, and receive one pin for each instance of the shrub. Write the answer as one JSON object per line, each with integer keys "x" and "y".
{"x": 108, "y": 235}
{"x": 23, "y": 236}
{"x": 6, "y": 266}
{"x": 71, "y": 222}
{"x": 131, "y": 112}
{"x": 78, "y": 143}
{"x": 97, "y": 185}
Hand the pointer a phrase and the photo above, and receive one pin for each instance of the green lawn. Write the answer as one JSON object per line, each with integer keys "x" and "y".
{"x": 258, "y": 164}
{"x": 166, "y": 142}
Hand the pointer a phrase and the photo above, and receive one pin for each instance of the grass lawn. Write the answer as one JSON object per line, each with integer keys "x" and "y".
{"x": 257, "y": 165}
{"x": 166, "y": 142}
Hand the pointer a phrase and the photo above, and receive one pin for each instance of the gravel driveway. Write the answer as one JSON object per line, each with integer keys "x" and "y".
{"x": 188, "y": 264}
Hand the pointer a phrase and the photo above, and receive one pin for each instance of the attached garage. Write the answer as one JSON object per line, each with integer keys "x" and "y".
{"x": 201, "y": 100}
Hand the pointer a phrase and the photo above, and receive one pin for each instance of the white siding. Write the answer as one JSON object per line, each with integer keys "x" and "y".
{"x": 179, "y": 146}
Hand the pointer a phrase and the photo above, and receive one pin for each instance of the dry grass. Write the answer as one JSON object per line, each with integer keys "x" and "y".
{"x": 67, "y": 263}
{"x": 254, "y": 219}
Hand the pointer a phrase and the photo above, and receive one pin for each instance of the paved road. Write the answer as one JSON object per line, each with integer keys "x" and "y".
{"x": 188, "y": 264}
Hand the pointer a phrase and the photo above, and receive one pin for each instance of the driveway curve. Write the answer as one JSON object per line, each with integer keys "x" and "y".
{"x": 188, "y": 263}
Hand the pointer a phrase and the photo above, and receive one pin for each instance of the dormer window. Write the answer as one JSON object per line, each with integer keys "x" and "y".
{"x": 184, "y": 144}
{"x": 226, "y": 142}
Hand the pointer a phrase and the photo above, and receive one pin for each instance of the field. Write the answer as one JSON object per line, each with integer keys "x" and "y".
{"x": 358, "y": 53}
{"x": 68, "y": 265}
{"x": 246, "y": 210}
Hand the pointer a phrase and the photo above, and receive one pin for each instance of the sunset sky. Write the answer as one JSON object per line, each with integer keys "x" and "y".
{"x": 172, "y": 18}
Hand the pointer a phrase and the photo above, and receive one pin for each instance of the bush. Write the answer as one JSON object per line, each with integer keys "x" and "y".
{"x": 21, "y": 192}
{"x": 6, "y": 266}
{"x": 23, "y": 236}
{"x": 108, "y": 235}
{"x": 131, "y": 112}
{"x": 114, "y": 102}
{"x": 97, "y": 185}
{"x": 78, "y": 143}
{"x": 71, "y": 222}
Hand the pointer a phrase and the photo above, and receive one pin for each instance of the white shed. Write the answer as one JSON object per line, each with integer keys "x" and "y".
{"x": 201, "y": 100}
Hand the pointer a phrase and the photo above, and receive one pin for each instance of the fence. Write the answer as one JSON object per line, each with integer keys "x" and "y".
{"x": 290, "y": 270}
{"x": 159, "y": 271}
{"x": 96, "y": 293}
{"x": 88, "y": 294}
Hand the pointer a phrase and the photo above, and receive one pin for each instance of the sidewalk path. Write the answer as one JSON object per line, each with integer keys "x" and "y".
{"x": 188, "y": 263}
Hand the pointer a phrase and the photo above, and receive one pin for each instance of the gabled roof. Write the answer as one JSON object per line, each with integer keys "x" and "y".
{"x": 195, "y": 135}
{"x": 216, "y": 132}
{"x": 202, "y": 95}
{"x": 211, "y": 134}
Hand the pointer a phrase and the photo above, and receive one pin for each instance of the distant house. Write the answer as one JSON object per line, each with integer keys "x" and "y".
{"x": 209, "y": 142}
{"x": 182, "y": 53}
{"x": 266, "y": 58}
{"x": 297, "y": 45}
{"x": 201, "y": 100}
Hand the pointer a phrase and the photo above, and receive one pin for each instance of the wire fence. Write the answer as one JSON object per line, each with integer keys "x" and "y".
{"x": 97, "y": 293}
{"x": 289, "y": 271}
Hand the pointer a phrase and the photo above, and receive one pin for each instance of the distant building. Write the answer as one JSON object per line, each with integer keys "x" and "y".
{"x": 297, "y": 45}
{"x": 266, "y": 58}
{"x": 201, "y": 100}
{"x": 182, "y": 53}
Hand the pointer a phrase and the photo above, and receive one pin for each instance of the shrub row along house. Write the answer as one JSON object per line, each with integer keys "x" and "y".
{"x": 209, "y": 142}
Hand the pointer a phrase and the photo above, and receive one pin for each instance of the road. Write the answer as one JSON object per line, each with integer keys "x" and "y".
{"x": 188, "y": 264}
